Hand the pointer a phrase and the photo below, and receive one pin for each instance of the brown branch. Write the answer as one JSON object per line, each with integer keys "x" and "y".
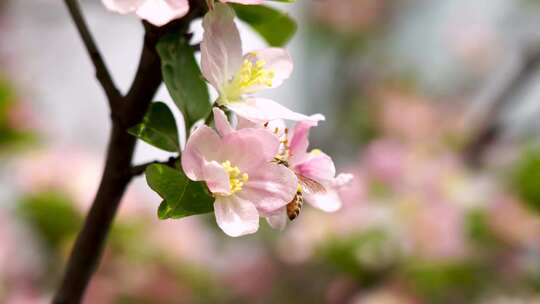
{"x": 102, "y": 73}
{"x": 139, "y": 169}
{"x": 491, "y": 128}
{"x": 117, "y": 174}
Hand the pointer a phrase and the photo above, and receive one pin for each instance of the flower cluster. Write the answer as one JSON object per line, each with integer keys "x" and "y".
{"x": 255, "y": 168}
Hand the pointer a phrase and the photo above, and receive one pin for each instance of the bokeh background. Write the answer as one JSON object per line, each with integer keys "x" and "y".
{"x": 433, "y": 105}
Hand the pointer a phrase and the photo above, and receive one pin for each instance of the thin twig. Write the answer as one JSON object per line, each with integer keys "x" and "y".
{"x": 491, "y": 128}
{"x": 102, "y": 73}
{"x": 139, "y": 169}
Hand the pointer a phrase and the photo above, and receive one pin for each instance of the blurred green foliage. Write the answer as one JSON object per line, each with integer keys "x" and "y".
{"x": 361, "y": 255}
{"x": 9, "y": 134}
{"x": 526, "y": 178}
{"x": 446, "y": 282}
{"x": 52, "y": 215}
{"x": 478, "y": 229}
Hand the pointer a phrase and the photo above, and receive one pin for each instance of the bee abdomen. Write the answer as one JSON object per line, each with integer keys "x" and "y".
{"x": 294, "y": 207}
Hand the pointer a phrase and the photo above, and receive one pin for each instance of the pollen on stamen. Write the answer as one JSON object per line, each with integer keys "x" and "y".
{"x": 237, "y": 179}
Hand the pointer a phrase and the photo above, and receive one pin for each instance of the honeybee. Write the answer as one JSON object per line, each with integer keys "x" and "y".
{"x": 295, "y": 206}
{"x": 305, "y": 184}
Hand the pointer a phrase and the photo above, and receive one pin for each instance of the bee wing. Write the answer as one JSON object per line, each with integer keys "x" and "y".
{"x": 310, "y": 185}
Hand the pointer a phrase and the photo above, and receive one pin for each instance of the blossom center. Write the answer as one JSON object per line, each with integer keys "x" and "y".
{"x": 237, "y": 178}
{"x": 251, "y": 76}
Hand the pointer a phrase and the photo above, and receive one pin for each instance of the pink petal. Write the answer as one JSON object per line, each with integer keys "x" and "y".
{"x": 122, "y": 6}
{"x": 278, "y": 220}
{"x": 249, "y": 148}
{"x": 222, "y": 123}
{"x": 161, "y": 12}
{"x": 242, "y": 123}
{"x": 271, "y": 126}
{"x": 298, "y": 144}
{"x": 243, "y": 1}
{"x": 276, "y": 60}
{"x": 318, "y": 167}
{"x": 221, "y": 48}
{"x": 270, "y": 187}
{"x": 236, "y": 216}
{"x": 328, "y": 201}
{"x": 202, "y": 145}
{"x": 263, "y": 110}
{"x": 217, "y": 179}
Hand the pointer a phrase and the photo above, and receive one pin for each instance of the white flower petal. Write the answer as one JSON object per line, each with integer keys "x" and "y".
{"x": 328, "y": 201}
{"x": 122, "y": 6}
{"x": 235, "y": 216}
{"x": 221, "y": 48}
{"x": 262, "y": 110}
{"x": 278, "y": 220}
{"x": 161, "y": 12}
{"x": 276, "y": 60}
{"x": 342, "y": 179}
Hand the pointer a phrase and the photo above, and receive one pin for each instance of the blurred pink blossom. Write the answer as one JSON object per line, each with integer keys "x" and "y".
{"x": 59, "y": 168}
{"x": 25, "y": 295}
{"x": 384, "y": 161}
{"x": 471, "y": 37}
{"x": 249, "y": 273}
{"x": 187, "y": 240}
{"x": 349, "y": 16}
{"x": 409, "y": 117}
{"x": 384, "y": 295}
{"x": 436, "y": 231}
{"x": 21, "y": 117}
{"x": 511, "y": 221}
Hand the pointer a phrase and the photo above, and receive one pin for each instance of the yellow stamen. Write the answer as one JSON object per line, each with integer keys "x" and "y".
{"x": 237, "y": 179}
{"x": 249, "y": 76}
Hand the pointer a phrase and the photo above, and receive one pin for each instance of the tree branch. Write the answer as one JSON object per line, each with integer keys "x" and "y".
{"x": 116, "y": 176}
{"x": 102, "y": 73}
{"x": 139, "y": 169}
{"x": 490, "y": 127}
{"x": 127, "y": 111}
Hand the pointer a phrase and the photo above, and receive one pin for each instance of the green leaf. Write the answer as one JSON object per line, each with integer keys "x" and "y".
{"x": 183, "y": 77}
{"x": 181, "y": 196}
{"x": 158, "y": 128}
{"x": 276, "y": 27}
{"x": 52, "y": 215}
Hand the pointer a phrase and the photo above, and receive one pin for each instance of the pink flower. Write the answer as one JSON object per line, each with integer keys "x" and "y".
{"x": 237, "y": 168}
{"x": 315, "y": 170}
{"x": 236, "y": 77}
{"x": 157, "y": 12}
{"x": 384, "y": 160}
